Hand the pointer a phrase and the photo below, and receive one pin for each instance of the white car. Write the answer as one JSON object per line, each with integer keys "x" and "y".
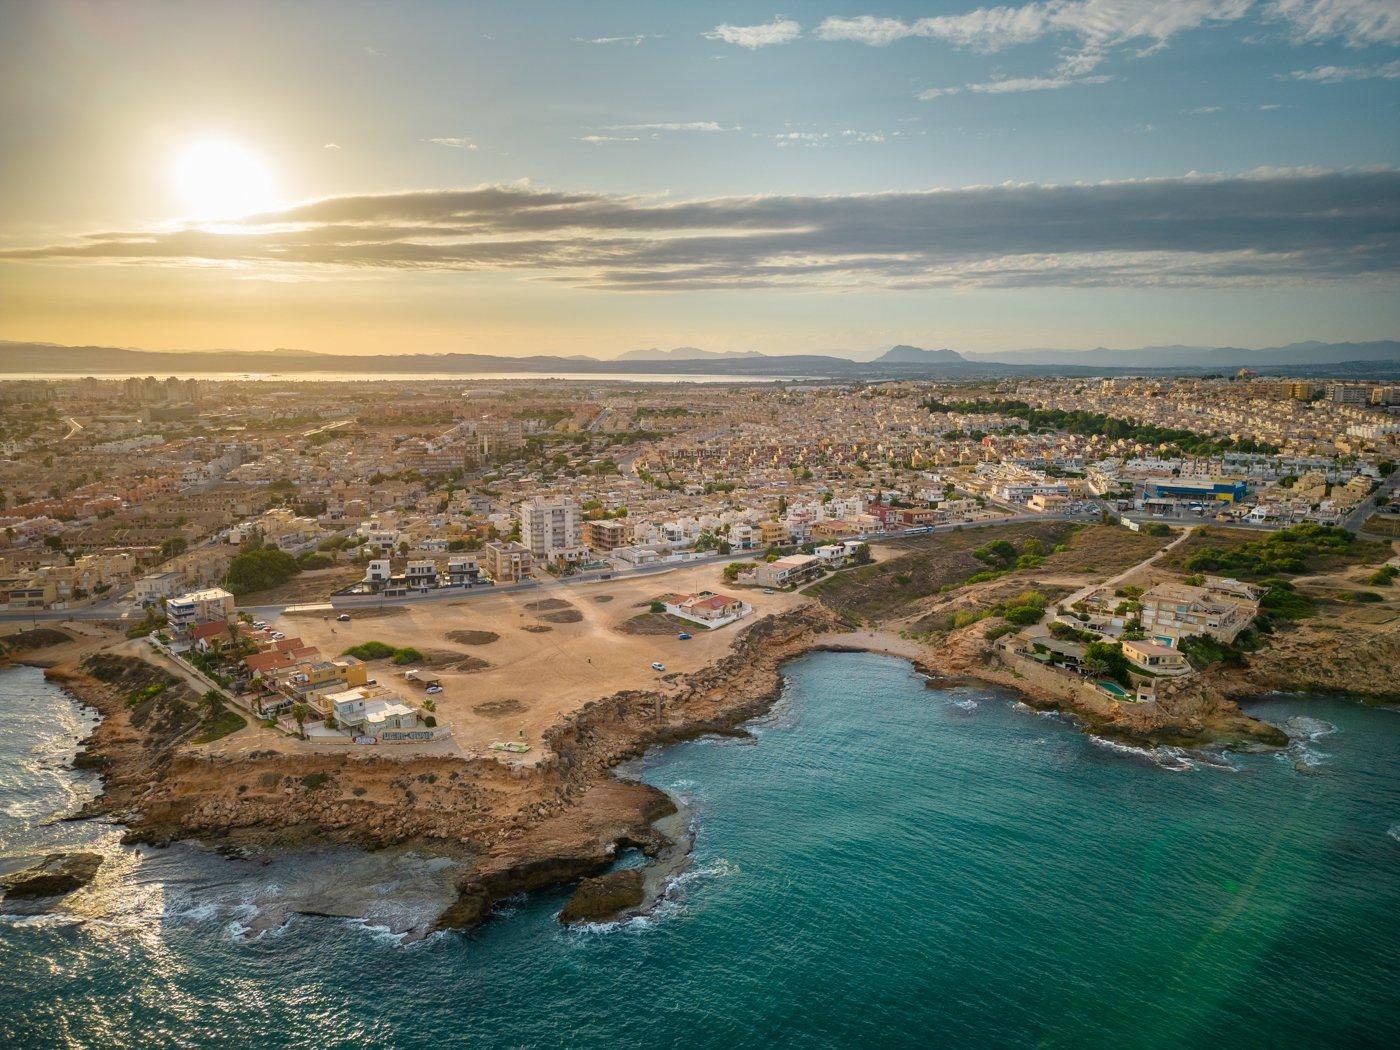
{"x": 343, "y": 618}
{"x": 434, "y": 688}
{"x": 658, "y": 666}
{"x": 277, "y": 636}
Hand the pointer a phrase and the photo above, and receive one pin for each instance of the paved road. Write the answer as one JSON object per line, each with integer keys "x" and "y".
{"x": 1357, "y": 518}
{"x": 116, "y": 608}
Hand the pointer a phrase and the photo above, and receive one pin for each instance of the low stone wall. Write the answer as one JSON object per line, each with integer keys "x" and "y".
{"x": 1063, "y": 684}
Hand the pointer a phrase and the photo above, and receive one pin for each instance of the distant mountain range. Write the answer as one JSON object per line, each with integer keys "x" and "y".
{"x": 1375, "y": 359}
{"x": 1308, "y": 353}
{"x": 688, "y": 353}
{"x": 913, "y": 355}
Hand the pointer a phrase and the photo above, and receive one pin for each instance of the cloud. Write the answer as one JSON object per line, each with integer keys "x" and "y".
{"x": 598, "y": 140}
{"x": 1097, "y": 24}
{"x": 631, "y": 41}
{"x": 1012, "y": 85}
{"x": 1266, "y": 227}
{"x": 779, "y": 31}
{"x": 1358, "y": 23}
{"x": 1337, "y": 74}
{"x": 690, "y": 125}
{"x": 330, "y": 145}
{"x": 453, "y": 143}
{"x": 1201, "y": 111}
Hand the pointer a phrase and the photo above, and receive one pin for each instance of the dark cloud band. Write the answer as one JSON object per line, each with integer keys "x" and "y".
{"x": 1262, "y": 227}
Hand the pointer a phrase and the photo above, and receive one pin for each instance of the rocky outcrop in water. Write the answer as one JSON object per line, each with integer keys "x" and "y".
{"x": 605, "y": 897}
{"x": 56, "y": 875}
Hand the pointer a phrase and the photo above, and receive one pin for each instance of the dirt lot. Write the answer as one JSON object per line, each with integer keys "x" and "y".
{"x": 534, "y": 678}
{"x": 1104, "y": 550}
{"x": 315, "y": 585}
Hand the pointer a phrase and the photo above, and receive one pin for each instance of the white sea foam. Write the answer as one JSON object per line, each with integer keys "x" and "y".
{"x": 54, "y": 920}
{"x": 1172, "y": 759}
{"x": 966, "y": 704}
{"x": 1303, "y": 758}
{"x": 1394, "y": 832}
{"x": 1301, "y": 727}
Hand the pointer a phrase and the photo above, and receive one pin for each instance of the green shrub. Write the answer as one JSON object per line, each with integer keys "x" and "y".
{"x": 1286, "y": 552}
{"x": 1023, "y": 615}
{"x": 408, "y": 655}
{"x": 1065, "y": 633}
{"x": 257, "y": 570}
{"x": 1107, "y": 658}
{"x": 372, "y": 650}
{"x": 1282, "y": 600}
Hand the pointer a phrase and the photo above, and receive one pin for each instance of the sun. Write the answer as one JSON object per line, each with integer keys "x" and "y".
{"x": 221, "y": 179}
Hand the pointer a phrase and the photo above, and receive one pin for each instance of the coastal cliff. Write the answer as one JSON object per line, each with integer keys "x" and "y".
{"x": 524, "y": 828}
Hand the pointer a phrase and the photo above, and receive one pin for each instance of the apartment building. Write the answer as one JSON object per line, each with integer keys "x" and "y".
{"x": 773, "y": 533}
{"x": 552, "y": 530}
{"x": 186, "y": 610}
{"x": 152, "y": 588}
{"x": 463, "y": 570}
{"x": 507, "y": 562}
{"x": 1221, "y": 609}
{"x": 493, "y": 439}
{"x": 785, "y": 572}
{"x": 603, "y": 537}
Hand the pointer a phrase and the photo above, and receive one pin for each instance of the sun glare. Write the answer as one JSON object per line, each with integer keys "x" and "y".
{"x": 219, "y": 179}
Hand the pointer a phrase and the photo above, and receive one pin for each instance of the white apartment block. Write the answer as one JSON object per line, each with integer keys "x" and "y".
{"x": 552, "y": 530}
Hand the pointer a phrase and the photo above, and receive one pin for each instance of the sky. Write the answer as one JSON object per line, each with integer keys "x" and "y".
{"x": 532, "y": 177}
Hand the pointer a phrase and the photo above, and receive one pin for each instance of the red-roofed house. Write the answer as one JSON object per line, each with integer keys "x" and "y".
{"x": 708, "y": 608}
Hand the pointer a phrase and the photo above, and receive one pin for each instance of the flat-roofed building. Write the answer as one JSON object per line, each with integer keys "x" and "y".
{"x": 604, "y": 537}
{"x": 787, "y": 572}
{"x": 186, "y": 610}
{"x": 507, "y": 562}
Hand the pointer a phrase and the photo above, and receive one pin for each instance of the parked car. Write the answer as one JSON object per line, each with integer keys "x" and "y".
{"x": 434, "y": 689}
{"x": 343, "y": 618}
{"x": 683, "y": 636}
{"x": 658, "y": 666}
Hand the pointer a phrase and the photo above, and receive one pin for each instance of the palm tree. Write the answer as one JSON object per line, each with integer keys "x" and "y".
{"x": 299, "y": 712}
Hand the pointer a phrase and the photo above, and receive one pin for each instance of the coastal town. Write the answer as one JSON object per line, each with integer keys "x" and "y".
{"x": 598, "y": 525}
{"x": 299, "y": 598}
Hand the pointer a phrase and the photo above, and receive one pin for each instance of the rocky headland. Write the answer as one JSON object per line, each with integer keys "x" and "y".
{"x": 525, "y": 828}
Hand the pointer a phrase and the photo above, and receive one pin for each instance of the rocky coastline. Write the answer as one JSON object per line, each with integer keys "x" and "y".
{"x": 520, "y": 830}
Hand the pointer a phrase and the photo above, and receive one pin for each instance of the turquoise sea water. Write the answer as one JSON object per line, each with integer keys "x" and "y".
{"x": 885, "y": 864}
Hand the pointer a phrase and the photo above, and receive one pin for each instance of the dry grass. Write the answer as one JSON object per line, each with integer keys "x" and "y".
{"x": 1104, "y": 550}
{"x": 927, "y": 565}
